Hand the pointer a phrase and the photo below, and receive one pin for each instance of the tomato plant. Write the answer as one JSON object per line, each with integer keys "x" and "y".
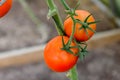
{"x": 57, "y": 59}
{"x": 5, "y": 6}
{"x": 62, "y": 52}
{"x": 83, "y": 30}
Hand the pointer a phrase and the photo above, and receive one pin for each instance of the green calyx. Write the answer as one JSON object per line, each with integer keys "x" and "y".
{"x": 85, "y": 24}
{"x": 81, "y": 46}
{"x": 82, "y": 49}
{"x": 67, "y": 47}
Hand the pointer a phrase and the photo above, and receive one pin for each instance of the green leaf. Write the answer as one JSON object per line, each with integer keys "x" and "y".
{"x": 91, "y": 29}
{"x": 68, "y": 50}
{"x": 87, "y": 33}
{"x": 93, "y": 22}
{"x": 81, "y": 56}
{"x": 87, "y": 18}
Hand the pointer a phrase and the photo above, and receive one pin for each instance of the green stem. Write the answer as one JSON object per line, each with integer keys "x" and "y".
{"x": 58, "y": 25}
{"x": 65, "y": 5}
{"x": 73, "y": 73}
{"x": 73, "y": 31}
{"x": 53, "y": 12}
{"x": 51, "y": 4}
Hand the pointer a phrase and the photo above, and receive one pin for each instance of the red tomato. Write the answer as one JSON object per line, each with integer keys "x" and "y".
{"x": 57, "y": 59}
{"x": 80, "y": 34}
{"x": 5, "y": 6}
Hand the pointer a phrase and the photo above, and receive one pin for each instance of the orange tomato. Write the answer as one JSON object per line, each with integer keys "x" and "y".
{"x": 5, "y": 6}
{"x": 80, "y": 34}
{"x": 57, "y": 59}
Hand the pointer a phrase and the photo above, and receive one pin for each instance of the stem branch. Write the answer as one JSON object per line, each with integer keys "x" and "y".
{"x": 73, "y": 72}
{"x": 53, "y": 12}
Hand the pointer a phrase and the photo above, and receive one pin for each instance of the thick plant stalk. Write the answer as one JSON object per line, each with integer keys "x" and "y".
{"x": 53, "y": 12}
{"x": 72, "y": 74}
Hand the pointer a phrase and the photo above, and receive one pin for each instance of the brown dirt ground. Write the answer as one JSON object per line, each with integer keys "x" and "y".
{"x": 101, "y": 64}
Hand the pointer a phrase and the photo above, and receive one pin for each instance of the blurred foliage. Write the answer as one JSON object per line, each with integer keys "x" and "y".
{"x": 30, "y": 12}
{"x": 118, "y": 7}
{"x": 106, "y": 2}
{"x": 114, "y": 5}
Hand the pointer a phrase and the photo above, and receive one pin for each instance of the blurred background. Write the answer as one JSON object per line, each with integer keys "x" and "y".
{"x": 26, "y": 26}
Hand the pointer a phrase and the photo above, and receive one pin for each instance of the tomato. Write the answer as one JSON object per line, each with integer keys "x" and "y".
{"x": 80, "y": 33}
{"x": 57, "y": 59}
{"x": 5, "y": 6}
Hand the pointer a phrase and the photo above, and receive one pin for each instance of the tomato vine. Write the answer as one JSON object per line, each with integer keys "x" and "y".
{"x": 80, "y": 45}
{"x": 53, "y": 12}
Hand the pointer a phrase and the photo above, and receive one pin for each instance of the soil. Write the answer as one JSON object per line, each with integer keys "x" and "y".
{"x": 100, "y": 64}
{"x": 17, "y": 30}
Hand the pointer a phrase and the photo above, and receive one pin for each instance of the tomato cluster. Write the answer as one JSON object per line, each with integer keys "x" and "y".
{"x": 5, "y": 6}
{"x": 80, "y": 33}
{"x": 60, "y": 60}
